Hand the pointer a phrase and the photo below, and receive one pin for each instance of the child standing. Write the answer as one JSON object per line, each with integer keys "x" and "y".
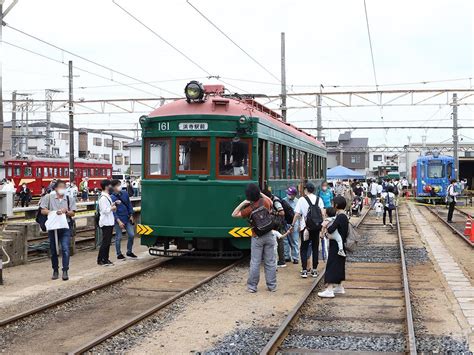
{"x": 331, "y": 216}
{"x": 378, "y": 208}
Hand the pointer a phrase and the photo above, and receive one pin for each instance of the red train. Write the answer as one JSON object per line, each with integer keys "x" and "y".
{"x": 37, "y": 173}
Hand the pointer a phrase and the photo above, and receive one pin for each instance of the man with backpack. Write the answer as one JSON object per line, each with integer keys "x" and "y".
{"x": 279, "y": 225}
{"x": 123, "y": 219}
{"x": 257, "y": 208}
{"x": 309, "y": 212}
{"x": 60, "y": 203}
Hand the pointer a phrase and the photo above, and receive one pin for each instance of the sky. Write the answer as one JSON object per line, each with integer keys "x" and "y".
{"x": 326, "y": 43}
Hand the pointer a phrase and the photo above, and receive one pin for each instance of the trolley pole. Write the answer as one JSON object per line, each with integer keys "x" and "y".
{"x": 455, "y": 136}
{"x": 283, "y": 78}
{"x": 71, "y": 126}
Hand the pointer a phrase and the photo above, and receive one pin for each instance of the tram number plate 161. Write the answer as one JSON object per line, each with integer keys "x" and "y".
{"x": 163, "y": 126}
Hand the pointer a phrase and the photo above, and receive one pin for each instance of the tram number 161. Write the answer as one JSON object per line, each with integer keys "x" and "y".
{"x": 163, "y": 126}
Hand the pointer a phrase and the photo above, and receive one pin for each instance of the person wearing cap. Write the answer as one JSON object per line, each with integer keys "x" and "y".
{"x": 301, "y": 211}
{"x": 291, "y": 242}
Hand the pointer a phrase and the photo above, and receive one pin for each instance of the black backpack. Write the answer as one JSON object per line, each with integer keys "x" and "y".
{"x": 314, "y": 218}
{"x": 261, "y": 219}
{"x": 289, "y": 213}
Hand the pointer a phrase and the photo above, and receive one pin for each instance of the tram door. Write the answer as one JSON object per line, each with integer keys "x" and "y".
{"x": 262, "y": 163}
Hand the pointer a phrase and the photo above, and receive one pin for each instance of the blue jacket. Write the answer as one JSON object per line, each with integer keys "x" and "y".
{"x": 327, "y": 197}
{"x": 125, "y": 209}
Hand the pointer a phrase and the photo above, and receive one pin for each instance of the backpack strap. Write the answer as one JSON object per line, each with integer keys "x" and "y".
{"x": 309, "y": 201}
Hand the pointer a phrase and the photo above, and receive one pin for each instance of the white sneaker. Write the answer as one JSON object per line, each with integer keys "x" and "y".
{"x": 339, "y": 290}
{"x": 326, "y": 294}
{"x": 341, "y": 253}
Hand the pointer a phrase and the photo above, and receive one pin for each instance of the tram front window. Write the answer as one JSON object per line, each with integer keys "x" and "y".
{"x": 234, "y": 157}
{"x": 159, "y": 158}
{"x": 193, "y": 155}
{"x": 435, "y": 170}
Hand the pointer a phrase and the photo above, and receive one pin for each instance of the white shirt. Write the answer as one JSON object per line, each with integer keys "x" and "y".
{"x": 404, "y": 182}
{"x": 373, "y": 188}
{"x": 105, "y": 210}
{"x": 302, "y": 208}
{"x": 452, "y": 192}
{"x": 378, "y": 207}
{"x": 379, "y": 189}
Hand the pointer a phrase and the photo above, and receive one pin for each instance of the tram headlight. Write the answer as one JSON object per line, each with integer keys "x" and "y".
{"x": 194, "y": 91}
{"x": 243, "y": 120}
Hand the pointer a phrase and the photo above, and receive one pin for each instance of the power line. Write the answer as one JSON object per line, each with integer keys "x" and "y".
{"x": 75, "y": 67}
{"x": 370, "y": 43}
{"x": 87, "y": 60}
{"x": 233, "y": 42}
{"x": 175, "y": 48}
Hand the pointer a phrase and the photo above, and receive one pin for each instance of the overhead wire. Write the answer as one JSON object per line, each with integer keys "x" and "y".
{"x": 233, "y": 42}
{"x": 370, "y": 44}
{"x": 87, "y": 60}
{"x": 75, "y": 67}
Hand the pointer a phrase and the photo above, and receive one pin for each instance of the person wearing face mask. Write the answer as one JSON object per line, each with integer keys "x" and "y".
{"x": 106, "y": 222}
{"x": 358, "y": 191}
{"x": 25, "y": 195}
{"x": 326, "y": 194}
{"x": 291, "y": 242}
{"x": 62, "y": 204}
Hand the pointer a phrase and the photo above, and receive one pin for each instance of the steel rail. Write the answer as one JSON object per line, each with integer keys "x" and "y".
{"x": 411, "y": 339}
{"x": 148, "y": 312}
{"x": 65, "y": 299}
{"x": 279, "y": 336}
{"x": 453, "y": 228}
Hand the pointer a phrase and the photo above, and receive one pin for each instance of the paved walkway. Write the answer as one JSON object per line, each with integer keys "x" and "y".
{"x": 458, "y": 283}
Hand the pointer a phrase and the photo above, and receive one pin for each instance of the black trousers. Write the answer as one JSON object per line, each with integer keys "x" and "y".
{"x": 105, "y": 246}
{"x": 385, "y": 210}
{"x": 451, "y": 211}
{"x": 314, "y": 239}
{"x": 281, "y": 251}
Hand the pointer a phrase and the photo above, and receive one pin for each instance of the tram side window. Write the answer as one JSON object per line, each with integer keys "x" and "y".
{"x": 449, "y": 170}
{"x": 38, "y": 172}
{"x": 9, "y": 171}
{"x": 193, "y": 155}
{"x": 271, "y": 160}
{"x": 28, "y": 171}
{"x": 17, "y": 171}
{"x": 422, "y": 170}
{"x": 284, "y": 151}
{"x": 298, "y": 166}
{"x": 290, "y": 163}
{"x": 233, "y": 157}
{"x": 277, "y": 161}
{"x": 158, "y": 158}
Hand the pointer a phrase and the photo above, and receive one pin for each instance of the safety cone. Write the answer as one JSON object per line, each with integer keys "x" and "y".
{"x": 468, "y": 227}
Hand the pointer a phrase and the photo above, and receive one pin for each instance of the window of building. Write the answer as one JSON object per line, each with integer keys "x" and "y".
{"x": 355, "y": 159}
{"x": 193, "y": 155}
{"x": 108, "y": 142}
{"x": 117, "y": 145}
{"x": 28, "y": 171}
{"x": 377, "y": 157}
{"x": 107, "y": 157}
{"x": 97, "y": 141}
{"x": 234, "y": 158}
{"x": 157, "y": 160}
{"x": 124, "y": 147}
{"x": 118, "y": 160}
{"x": 126, "y": 160}
{"x": 55, "y": 151}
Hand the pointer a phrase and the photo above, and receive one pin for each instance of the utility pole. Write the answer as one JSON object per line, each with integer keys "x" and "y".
{"x": 455, "y": 136}
{"x": 49, "y": 105}
{"x": 71, "y": 126}
{"x": 283, "y": 78}
{"x": 13, "y": 138}
{"x": 2, "y": 17}
{"x": 319, "y": 118}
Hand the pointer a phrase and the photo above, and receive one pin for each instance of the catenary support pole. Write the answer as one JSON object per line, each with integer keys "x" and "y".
{"x": 13, "y": 134}
{"x": 319, "y": 118}
{"x": 71, "y": 126}
{"x": 283, "y": 78}
{"x": 455, "y": 136}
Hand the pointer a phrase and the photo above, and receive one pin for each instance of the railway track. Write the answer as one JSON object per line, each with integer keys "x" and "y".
{"x": 459, "y": 220}
{"x": 374, "y": 315}
{"x": 78, "y": 322}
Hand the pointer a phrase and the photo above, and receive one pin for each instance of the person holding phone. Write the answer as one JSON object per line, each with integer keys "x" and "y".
{"x": 106, "y": 222}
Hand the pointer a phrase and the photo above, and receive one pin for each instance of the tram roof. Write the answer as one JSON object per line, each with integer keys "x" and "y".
{"x": 229, "y": 106}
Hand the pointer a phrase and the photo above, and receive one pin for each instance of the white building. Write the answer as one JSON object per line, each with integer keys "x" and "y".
{"x": 88, "y": 143}
{"x": 135, "y": 149}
